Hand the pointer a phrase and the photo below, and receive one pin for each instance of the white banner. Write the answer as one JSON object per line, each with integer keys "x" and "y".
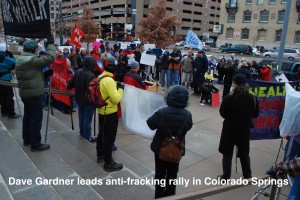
{"x": 148, "y": 59}
{"x": 137, "y": 106}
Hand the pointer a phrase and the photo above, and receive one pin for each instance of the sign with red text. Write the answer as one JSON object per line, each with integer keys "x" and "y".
{"x": 271, "y": 98}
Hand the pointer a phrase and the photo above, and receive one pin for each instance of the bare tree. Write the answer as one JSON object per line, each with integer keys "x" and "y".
{"x": 157, "y": 28}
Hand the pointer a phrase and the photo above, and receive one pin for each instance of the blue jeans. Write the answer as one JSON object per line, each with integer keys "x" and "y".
{"x": 172, "y": 77}
{"x": 32, "y": 120}
{"x": 292, "y": 149}
{"x": 164, "y": 74}
{"x": 85, "y": 116}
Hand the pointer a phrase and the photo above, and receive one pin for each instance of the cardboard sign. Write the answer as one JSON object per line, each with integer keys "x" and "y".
{"x": 282, "y": 78}
{"x": 148, "y": 59}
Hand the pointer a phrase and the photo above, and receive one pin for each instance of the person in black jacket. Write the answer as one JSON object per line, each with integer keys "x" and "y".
{"x": 201, "y": 67}
{"x": 237, "y": 109}
{"x": 176, "y": 117}
{"x": 80, "y": 81}
{"x": 228, "y": 71}
{"x": 244, "y": 70}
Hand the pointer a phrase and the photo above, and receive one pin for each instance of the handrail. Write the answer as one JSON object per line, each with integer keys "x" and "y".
{"x": 12, "y": 84}
{"x": 210, "y": 191}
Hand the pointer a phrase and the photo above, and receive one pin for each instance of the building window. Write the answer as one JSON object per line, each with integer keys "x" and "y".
{"x": 231, "y": 18}
{"x": 247, "y": 16}
{"x": 280, "y": 16}
{"x": 278, "y": 35}
{"x": 272, "y": 1}
{"x": 245, "y": 33}
{"x": 283, "y": 1}
{"x": 260, "y": 2}
{"x": 298, "y": 20}
{"x": 264, "y": 16}
{"x": 248, "y": 1}
{"x": 261, "y": 34}
{"x": 297, "y": 37}
{"x": 229, "y": 33}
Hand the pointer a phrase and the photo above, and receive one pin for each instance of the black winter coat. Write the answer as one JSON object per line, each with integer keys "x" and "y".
{"x": 244, "y": 71}
{"x": 237, "y": 112}
{"x": 174, "y": 117}
{"x": 81, "y": 80}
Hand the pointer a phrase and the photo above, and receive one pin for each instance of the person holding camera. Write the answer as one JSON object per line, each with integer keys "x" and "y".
{"x": 29, "y": 72}
{"x": 112, "y": 92}
{"x": 7, "y": 63}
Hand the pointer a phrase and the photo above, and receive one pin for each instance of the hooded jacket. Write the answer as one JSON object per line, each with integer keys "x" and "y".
{"x": 81, "y": 80}
{"x": 29, "y": 72}
{"x": 174, "y": 116}
{"x": 266, "y": 73}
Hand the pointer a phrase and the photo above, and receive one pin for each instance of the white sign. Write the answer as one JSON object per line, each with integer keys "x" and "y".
{"x": 123, "y": 45}
{"x": 148, "y": 59}
{"x": 149, "y": 46}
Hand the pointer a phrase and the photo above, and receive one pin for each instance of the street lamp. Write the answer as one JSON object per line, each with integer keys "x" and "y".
{"x": 117, "y": 31}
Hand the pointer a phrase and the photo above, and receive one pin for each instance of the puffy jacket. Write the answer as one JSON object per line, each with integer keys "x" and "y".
{"x": 265, "y": 73}
{"x": 174, "y": 115}
{"x": 29, "y": 72}
{"x": 109, "y": 91}
{"x": 6, "y": 65}
{"x": 81, "y": 80}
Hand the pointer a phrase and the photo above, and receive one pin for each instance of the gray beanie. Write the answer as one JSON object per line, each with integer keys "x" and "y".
{"x": 134, "y": 64}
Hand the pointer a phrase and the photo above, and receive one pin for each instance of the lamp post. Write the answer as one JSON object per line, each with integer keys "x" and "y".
{"x": 117, "y": 31}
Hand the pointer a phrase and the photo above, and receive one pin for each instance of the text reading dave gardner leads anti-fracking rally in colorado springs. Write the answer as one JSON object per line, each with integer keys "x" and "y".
{"x": 147, "y": 181}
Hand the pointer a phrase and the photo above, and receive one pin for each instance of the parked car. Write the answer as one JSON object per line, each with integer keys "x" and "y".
{"x": 238, "y": 48}
{"x": 209, "y": 41}
{"x": 288, "y": 53}
{"x": 181, "y": 43}
{"x": 289, "y": 67}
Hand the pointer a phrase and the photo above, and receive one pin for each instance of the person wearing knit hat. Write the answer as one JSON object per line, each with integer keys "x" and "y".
{"x": 31, "y": 88}
{"x": 133, "y": 78}
{"x": 237, "y": 109}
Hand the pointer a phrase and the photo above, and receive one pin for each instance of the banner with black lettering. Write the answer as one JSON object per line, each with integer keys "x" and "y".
{"x": 271, "y": 98}
{"x": 26, "y": 18}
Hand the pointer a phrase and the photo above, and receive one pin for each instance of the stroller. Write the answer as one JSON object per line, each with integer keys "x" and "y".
{"x": 207, "y": 89}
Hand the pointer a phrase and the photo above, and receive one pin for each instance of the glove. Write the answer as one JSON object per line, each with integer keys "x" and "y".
{"x": 48, "y": 73}
{"x": 120, "y": 85}
{"x": 50, "y": 40}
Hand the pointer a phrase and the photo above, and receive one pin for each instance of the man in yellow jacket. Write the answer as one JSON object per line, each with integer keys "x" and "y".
{"x": 108, "y": 116}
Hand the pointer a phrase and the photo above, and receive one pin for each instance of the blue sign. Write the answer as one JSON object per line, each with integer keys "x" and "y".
{"x": 193, "y": 40}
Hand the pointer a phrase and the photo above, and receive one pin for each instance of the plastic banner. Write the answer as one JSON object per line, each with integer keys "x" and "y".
{"x": 193, "y": 40}
{"x": 290, "y": 124}
{"x": 137, "y": 106}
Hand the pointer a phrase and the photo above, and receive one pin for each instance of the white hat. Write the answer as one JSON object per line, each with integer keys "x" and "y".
{"x": 3, "y": 47}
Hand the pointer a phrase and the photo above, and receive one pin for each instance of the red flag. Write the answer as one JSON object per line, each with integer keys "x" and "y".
{"x": 77, "y": 34}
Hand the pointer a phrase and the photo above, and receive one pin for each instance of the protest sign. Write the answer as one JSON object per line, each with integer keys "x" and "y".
{"x": 271, "y": 98}
{"x": 137, "y": 106}
{"x": 59, "y": 80}
{"x": 28, "y": 19}
{"x": 148, "y": 59}
{"x": 77, "y": 34}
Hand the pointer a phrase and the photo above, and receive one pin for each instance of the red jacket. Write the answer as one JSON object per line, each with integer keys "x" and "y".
{"x": 132, "y": 78}
{"x": 265, "y": 73}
